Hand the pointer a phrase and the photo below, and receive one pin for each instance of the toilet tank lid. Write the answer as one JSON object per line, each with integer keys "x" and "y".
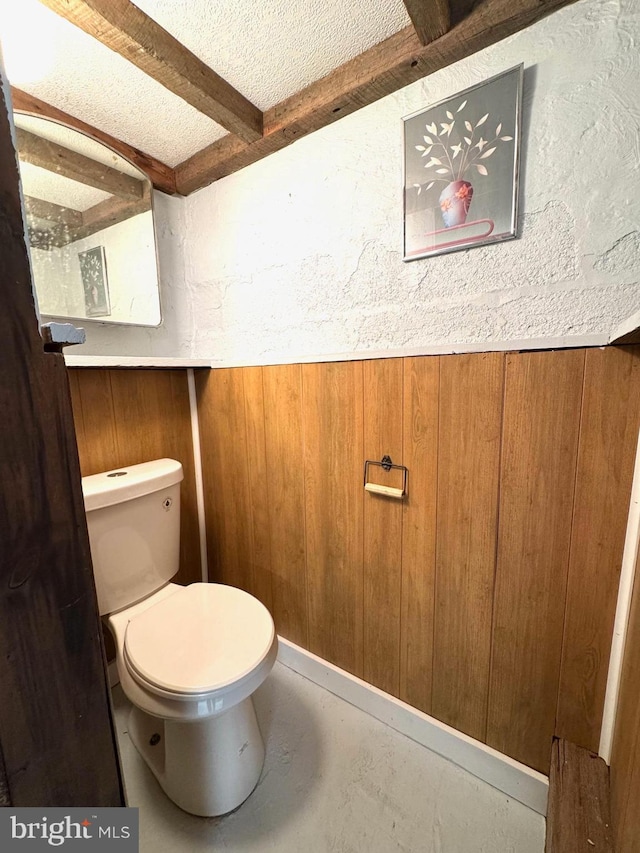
{"x": 124, "y": 484}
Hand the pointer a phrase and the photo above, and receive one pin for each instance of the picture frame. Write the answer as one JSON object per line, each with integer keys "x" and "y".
{"x": 460, "y": 189}
{"x": 93, "y": 271}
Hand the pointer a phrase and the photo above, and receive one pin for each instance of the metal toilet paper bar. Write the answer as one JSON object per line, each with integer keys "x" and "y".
{"x": 379, "y": 489}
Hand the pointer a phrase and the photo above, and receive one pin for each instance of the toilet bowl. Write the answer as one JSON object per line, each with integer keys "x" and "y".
{"x": 189, "y": 658}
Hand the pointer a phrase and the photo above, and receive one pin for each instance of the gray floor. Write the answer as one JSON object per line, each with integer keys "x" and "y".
{"x": 335, "y": 779}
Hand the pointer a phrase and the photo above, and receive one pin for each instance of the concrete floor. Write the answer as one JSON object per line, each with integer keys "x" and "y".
{"x": 335, "y": 779}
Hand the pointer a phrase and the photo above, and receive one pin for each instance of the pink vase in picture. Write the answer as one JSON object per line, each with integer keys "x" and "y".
{"x": 455, "y": 201}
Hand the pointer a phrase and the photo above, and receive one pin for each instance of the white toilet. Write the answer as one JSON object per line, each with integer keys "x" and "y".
{"x": 188, "y": 658}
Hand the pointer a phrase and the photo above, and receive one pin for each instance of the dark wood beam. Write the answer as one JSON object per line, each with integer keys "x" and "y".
{"x": 56, "y": 158}
{"x": 459, "y": 9}
{"x": 161, "y": 176}
{"x": 578, "y": 811}
{"x": 56, "y": 735}
{"x": 41, "y": 209}
{"x": 430, "y": 18}
{"x": 377, "y": 72}
{"x": 127, "y": 30}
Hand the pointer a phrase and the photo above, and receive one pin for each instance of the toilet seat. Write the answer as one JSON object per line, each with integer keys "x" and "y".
{"x": 203, "y": 638}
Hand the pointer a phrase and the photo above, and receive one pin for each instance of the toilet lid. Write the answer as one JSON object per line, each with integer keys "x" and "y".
{"x": 201, "y": 638}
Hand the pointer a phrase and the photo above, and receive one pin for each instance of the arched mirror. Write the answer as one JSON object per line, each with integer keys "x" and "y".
{"x": 90, "y": 226}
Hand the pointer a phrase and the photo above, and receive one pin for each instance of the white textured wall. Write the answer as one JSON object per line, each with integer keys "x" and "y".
{"x": 299, "y": 256}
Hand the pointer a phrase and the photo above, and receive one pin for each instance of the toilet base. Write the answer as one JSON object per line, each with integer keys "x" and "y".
{"x": 207, "y": 767}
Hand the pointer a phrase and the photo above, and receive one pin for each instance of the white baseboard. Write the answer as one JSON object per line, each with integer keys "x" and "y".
{"x": 512, "y": 778}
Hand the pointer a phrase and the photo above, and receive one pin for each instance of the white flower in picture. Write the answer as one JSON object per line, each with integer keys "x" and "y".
{"x": 461, "y": 149}
{"x": 471, "y": 151}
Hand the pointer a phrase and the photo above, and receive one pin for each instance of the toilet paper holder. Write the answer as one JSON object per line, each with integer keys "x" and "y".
{"x": 387, "y": 463}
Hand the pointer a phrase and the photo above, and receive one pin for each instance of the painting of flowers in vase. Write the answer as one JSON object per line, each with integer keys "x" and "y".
{"x": 461, "y": 160}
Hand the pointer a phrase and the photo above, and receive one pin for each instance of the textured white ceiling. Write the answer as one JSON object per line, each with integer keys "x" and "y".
{"x": 93, "y": 83}
{"x": 267, "y": 50}
{"x": 270, "y": 49}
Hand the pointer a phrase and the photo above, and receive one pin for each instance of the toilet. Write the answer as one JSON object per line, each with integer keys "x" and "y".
{"x": 189, "y": 657}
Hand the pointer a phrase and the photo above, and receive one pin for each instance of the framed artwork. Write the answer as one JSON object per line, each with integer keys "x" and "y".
{"x": 93, "y": 270}
{"x": 461, "y": 160}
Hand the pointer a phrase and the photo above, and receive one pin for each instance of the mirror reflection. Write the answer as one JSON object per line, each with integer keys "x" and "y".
{"x": 90, "y": 226}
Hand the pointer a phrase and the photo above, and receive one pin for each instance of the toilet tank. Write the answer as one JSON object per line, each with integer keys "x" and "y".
{"x": 133, "y": 516}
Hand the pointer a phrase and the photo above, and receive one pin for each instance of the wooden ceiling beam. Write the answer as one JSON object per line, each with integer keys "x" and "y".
{"x": 430, "y": 18}
{"x": 161, "y": 176}
{"x": 459, "y": 9}
{"x": 56, "y": 158}
{"x": 41, "y": 209}
{"x": 377, "y": 72}
{"x": 106, "y": 213}
{"x": 127, "y": 30}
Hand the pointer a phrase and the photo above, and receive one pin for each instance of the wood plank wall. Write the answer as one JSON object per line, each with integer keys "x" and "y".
{"x": 126, "y": 416}
{"x": 487, "y": 597}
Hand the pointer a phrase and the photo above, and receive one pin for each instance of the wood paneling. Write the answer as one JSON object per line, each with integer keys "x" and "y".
{"x": 606, "y": 454}
{"x": 123, "y": 417}
{"x": 486, "y": 596}
{"x": 223, "y": 433}
{"x": 145, "y": 401}
{"x": 420, "y": 443}
{"x": 332, "y": 422}
{"x": 625, "y": 758}
{"x": 95, "y": 421}
{"x": 260, "y": 551}
{"x": 471, "y": 389}
{"x": 285, "y": 487}
{"x": 383, "y": 408}
{"x": 540, "y": 440}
